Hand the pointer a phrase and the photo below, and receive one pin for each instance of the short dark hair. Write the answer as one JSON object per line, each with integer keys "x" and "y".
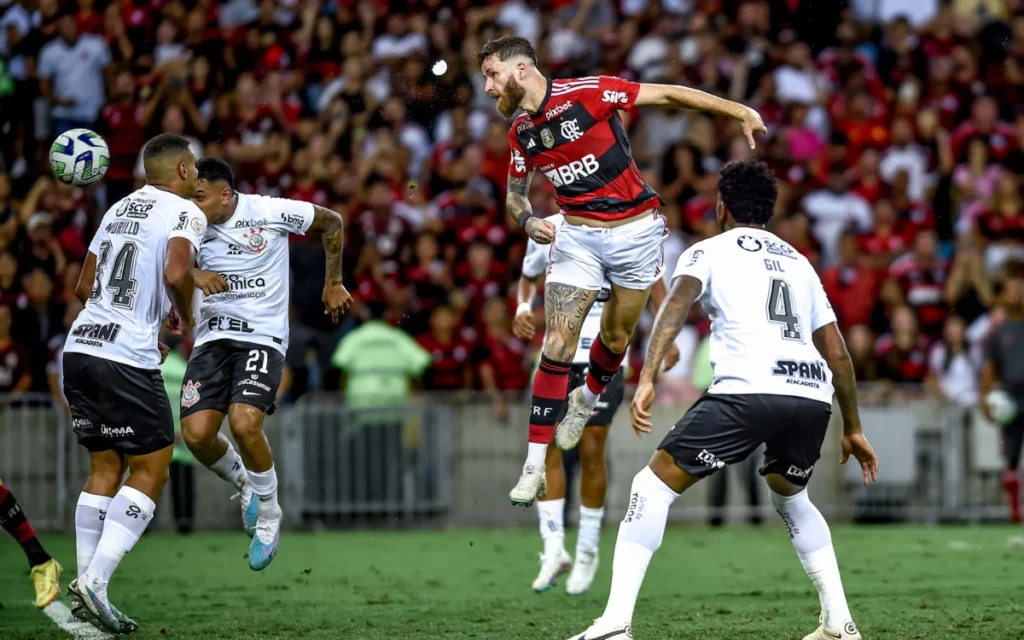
{"x": 215, "y": 170}
{"x": 748, "y": 190}
{"x": 165, "y": 145}
{"x": 507, "y": 47}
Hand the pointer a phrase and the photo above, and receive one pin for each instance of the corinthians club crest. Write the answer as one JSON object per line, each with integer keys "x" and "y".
{"x": 190, "y": 393}
{"x": 257, "y": 242}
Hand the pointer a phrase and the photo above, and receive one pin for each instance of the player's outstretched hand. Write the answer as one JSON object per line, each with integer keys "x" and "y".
{"x": 209, "y": 282}
{"x": 336, "y": 301}
{"x": 540, "y": 231}
{"x": 164, "y": 350}
{"x": 861, "y": 449}
{"x": 752, "y": 123}
{"x": 522, "y": 326}
{"x": 640, "y": 410}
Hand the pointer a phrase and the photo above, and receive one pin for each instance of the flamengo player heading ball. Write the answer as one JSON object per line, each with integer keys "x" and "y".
{"x": 571, "y": 131}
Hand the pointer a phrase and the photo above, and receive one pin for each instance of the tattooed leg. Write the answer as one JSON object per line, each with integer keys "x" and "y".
{"x": 565, "y": 308}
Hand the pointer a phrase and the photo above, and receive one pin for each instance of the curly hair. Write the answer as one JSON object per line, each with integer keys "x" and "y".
{"x": 748, "y": 190}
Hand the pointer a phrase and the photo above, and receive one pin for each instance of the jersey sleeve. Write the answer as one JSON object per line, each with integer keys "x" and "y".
{"x": 694, "y": 263}
{"x": 536, "y": 259}
{"x": 191, "y": 225}
{"x": 822, "y": 313}
{"x": 519, "y": 164}
{"x": 612, "y": 94}
{"x": 289, "y": 216}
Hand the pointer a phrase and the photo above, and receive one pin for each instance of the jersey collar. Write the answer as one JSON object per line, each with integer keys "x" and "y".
{"x": 543, "y": 103}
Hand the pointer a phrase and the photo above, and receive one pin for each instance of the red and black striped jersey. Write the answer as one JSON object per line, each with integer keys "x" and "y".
{"x": 577, "y": 140}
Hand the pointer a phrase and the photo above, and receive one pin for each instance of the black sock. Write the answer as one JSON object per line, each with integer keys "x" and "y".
{"x": 13, "y": 519}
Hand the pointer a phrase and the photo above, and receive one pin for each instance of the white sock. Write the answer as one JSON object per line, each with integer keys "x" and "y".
{"x": 552, "y": 527}
{"x": 264, "y": 485}
{"x": 589, "y": 396}
{"x": 813, "y": 542}
{"x": 89, "y": 517}
{"x": 128, "y": 515}
{"x": 639, "y": 537}
{"x": 536, "y": 454}
{"x": 230, "y": 466}
{"x": 590, "y": 529}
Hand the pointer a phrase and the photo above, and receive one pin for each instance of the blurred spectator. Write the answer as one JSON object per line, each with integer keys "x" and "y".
{"x": 500, "y": 358}
{"x": 834, "y": 210}
{"x": 862, "y": 352}
{"x": 923, "y": 274}
{"x": 38, "y": 319}
{"x": 850, "y": 286}
{"x": 450, "y": 368}
{"x": 15, "y": 372}
{"x": 969, "y": 288}
{"x": 951, "y": 369}
{"x": 71, "y": 69}
{"x": 903, "y": 354}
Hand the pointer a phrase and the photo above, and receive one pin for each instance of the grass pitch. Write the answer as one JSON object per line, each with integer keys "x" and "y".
{"x": 902, "y": 582}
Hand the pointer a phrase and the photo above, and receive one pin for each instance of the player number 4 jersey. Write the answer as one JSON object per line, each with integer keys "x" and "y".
{"x": 250, "y": 250}
{"x": 765, "y": 302}
{"x": 129, "y": 300}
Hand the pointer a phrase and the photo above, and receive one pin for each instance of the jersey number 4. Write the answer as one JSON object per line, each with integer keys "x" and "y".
{"x": 121, "y": 283}
{"x": 780, "y": 309}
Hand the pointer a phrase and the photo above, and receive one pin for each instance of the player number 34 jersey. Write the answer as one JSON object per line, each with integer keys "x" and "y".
{"x": 765, "y": 302}
{"x": 250, "y": 250}
{"x": 129, "y": 302}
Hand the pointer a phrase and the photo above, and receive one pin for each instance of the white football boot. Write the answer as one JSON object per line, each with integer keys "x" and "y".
{"x": 600, "y": 631}
{"x": 551, "y": 568}
{"x": 848, "y": 632}
{"x": 583, "y": 572}
{"x": 570, "y": 429}
{"x": 532, "y": 483}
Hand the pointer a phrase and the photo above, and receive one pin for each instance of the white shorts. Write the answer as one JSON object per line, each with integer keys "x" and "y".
{"x": 631, "y": 256}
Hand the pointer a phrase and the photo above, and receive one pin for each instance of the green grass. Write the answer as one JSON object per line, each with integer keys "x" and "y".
{"x": 736, "y": 583}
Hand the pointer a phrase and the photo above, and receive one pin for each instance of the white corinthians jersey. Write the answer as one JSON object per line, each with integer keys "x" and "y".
{"x": 535, "y": 262}
{"x": 129, "y": 302}
{"x": 765, "y": 301}
{"x": 250, "y": 250}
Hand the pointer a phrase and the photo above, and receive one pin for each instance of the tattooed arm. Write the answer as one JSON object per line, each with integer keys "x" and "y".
{"x": 517, "y": 202}
{"x": 336, "y": 298}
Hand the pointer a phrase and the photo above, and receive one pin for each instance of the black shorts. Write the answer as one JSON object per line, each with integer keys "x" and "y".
{"x": 226, "y": 372}
{"x": 117, "y": 407}
{"x": 609, "y": 402}
{"x": 719, "y": 430}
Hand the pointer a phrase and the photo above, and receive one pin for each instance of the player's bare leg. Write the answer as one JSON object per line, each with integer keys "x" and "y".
{"x": 813, "y": 543}
{"x": 201, "y": 431}
{"x": 43, "y": 570}
{"x": 565, "y": 308}
{"x": 554, "y": 560}
{"x": 593, "y": 485}
{"x": 618, "y": 320}
{"x": 247, "y": 427}
{"x": 128, "y": 514}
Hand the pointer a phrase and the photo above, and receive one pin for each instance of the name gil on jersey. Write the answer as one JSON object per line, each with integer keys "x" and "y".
{"x": 805, "y": 374}
{"x": 123, "y": 227}
{"x": 95, "y": 335}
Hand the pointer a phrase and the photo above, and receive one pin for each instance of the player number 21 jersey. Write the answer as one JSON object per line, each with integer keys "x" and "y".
{"x": 250, "y": 250}
{"x": 129, "y": 302}
{"x": 765, "y": 302}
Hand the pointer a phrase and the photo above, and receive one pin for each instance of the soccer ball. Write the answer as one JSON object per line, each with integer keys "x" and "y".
{"x": 1003, "y": 408}
{"x": 79, "y": 157}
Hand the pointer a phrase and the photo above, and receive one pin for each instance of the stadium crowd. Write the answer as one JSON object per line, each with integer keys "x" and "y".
{"x": 895, "y": 130}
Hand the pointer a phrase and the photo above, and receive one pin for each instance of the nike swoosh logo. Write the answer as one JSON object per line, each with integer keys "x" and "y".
{"x": 249, "y": 393}
{"x": 837, "y": 636}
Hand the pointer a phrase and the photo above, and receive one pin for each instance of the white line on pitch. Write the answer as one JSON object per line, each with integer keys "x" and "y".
{"x": 60, "y": 614}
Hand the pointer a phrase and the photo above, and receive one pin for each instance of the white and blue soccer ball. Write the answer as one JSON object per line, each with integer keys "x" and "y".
{"x": 1003, "y": 407}
{"x": 79, "y": 157}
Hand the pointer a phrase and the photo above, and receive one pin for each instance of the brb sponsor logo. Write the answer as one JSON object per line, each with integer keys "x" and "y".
{"x": 576, "y": 170}
{"x": 95, "y": 335}
{"x": 223, "y": 323}
{"x": 614, "y": 97}
{"x": 636, "y": 507}
{"x": 560, "y": 109}
{"x": 805, "y": 374}
{"x": 709, "y": 459}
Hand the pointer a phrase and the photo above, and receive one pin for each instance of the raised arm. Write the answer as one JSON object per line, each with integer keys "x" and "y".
{"x": 670, "y": 95}
{"x": 330, "y": 224}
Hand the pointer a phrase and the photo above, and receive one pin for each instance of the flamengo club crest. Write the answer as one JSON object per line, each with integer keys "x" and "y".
{"x": 547, "y": 138}
{"x": 257, "y": 242}
{"x": 190, "y": 393}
